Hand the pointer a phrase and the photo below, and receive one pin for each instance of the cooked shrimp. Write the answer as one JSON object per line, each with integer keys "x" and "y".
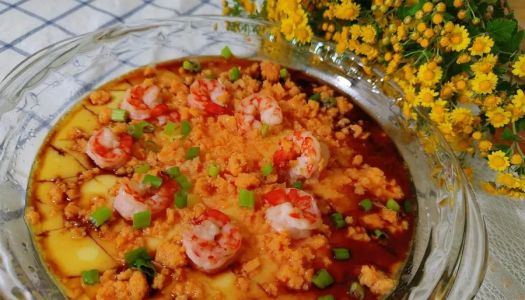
{"x": 144, "y": 103}
{"x": 258, "y": 108}
{"x": 302, "y": 153}
{"x": 208, "y": 95}
{"x": 134, "y": 197}
{"x": 293, "y": 211}
{"x": 107, "y": 150}
{"x": 212, "y": 241}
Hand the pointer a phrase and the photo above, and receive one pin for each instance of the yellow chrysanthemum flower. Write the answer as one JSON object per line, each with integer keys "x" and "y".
{"x": 425, "y": 97}
{"x": 498, "y": 161}
{"x": 303, "y": 33}
{"x": 485, "y": 64}
{"x": 507, "y": 180}
{"x": 438, "y": 112}
{"x": 516, "y": 159}
{"x": 519, "y": 100}
{"x": 347, "y": 10}
{"x": 446, "y": 129}
{"x": 481, "y": 45}
{"x": 484, "y": 146}
{"x": 429, "y": 74}
{"x": 491, "y": 102}
{"x": 498, "y": 117}
{"x": 461, "y": 116}
{"x": 368, "y": 33}
{"x": 484, "y": 83}
{"x": 518, "y": 68}
{"x": 459, "y": 38}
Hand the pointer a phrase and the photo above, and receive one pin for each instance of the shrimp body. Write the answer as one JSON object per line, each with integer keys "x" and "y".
{"x": 301, "y": 153}
{"x": 212, "y": 241}
{"x": 134, "y": 197}
{"x": 207, "y": 95}
{"x": 144, "y": 103}
{"x": 108, "y": 150}
{"x": 256, "y": 109}
{"x": 292, "y": 211}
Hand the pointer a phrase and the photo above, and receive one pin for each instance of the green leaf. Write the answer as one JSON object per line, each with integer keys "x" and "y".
{"x": 508, "y": 135}
{"x": 520, "y": 124}
{"x": 501, "y": 30}
{"x": 406, "y": 11}
{"x": 502, "y": 147}
{"x": 514, "y": 43}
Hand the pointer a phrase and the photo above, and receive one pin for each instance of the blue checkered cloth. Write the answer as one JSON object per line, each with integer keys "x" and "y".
{"x": 27, "y": 26}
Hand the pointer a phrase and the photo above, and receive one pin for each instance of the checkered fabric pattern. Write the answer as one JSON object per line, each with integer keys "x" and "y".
{"x": 27, "y": 26}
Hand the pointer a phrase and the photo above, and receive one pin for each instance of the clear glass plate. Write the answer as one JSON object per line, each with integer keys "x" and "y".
{"x": 449, "y": 251}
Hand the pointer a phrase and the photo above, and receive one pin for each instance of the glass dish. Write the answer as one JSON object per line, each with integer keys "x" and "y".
{"x": 449, "y": 253}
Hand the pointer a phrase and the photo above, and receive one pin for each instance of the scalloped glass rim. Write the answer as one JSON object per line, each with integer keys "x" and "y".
{"x": 449, "y": 251}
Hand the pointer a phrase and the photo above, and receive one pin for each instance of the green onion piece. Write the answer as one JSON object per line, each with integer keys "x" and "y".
{"x": 322, "y": 279}
{"x": 338, "y": 219}
{"x": 366, "y": 204}
{"x": 152, "y": 180}
{"x": 150, "y": 145}
{"x": 208, "y": 74}
{"x": 213, "y": 170}
{"x": 315, "y": 97}
{"x": 341, "y": 253}
{"x": 380, "y": 234}
{"x": 192, "y": 153}
{"x": 235, "y": 73}
{"x": 298, "y": 185}
{"x": 181, "y": 199}
{"x": 119, "y": 115}
{"x": 326, "y": 297}
{"x": 146, "y": 126}
{"x": 132, "y": 256}
{"x": 100, "y": 216}
{"x": 138, "y": 129}
{"x": 267, "y": 169}
{"x": 142, "y": 168}
{"x": 329, "y": 102}
{"x": 283, "y": 73}
{"x": 173, "y": 172}
{"x": 407, "y": 206}
{"x": 392, "y": 205}
{"x": 192, "y": 66}
{"x": 246, "y": 198}
{"x": 183, "y": 181}
{"x": 169, "y": 128}
{"x": 185, "y": 128}
{"x": 356, "y": 290}
{"x": 265, "y": 128}
{"x": 226, "y": 52}
{"x": 141, "y": 219}
{"x": 90, "y": 277}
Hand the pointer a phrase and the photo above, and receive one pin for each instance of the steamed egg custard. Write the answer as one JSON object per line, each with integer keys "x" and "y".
{"x": 220, "y": 178}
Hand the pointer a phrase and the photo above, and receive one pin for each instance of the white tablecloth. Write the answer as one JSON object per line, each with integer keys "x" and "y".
{"x": 29, "y": 25}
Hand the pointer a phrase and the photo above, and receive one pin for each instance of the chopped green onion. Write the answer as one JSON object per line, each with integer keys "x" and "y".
{"x": 141, "y": 219}
{"x": 356, "y": 290}
{"x": 181, "y": 199}
{"x": 173, "y": 172}
{"x": 142, "y": 168}
{"x": 152, "y": 180}
{"x": 267, "y": 169}
{"x": 407, "y": 206}
{"x": 226, "y": 52}
{"x": 235, "y": 73}
{"x": 246, "y": 198}
{"x": 213, "y": 170}
{"x": 326, "y": 297}
{"x": 298, "y": 185}
{"x": 341, "y": 253}
{"x": 185, "y": 128}
{"x": 283, "y": 73}
{"x": 380, "y": 234}
{"x": 265, "y": 128}
{"x": 322, "y": 279}
{"x": 208, "y": 74}
{"x": 138, "y": 129}
{"x": 90, "y": 277}
{"x": 119, "y": 115}
{"x": 329, "y": 102}
{"x": 366, "y": 204}
{"x": 392, "y": 205}
{"x": 132, "y": 256}
{"x": 100, "y": 216}
{"x": 338, "y": 219}
{"x": 183, "y": 181}
{"x": 169, "y": 129}
{"x": 315, "y": 97}
{"x": 192, "y": 152}
{"x": 192, "y": 66}
{"x": 150, "y": 145}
